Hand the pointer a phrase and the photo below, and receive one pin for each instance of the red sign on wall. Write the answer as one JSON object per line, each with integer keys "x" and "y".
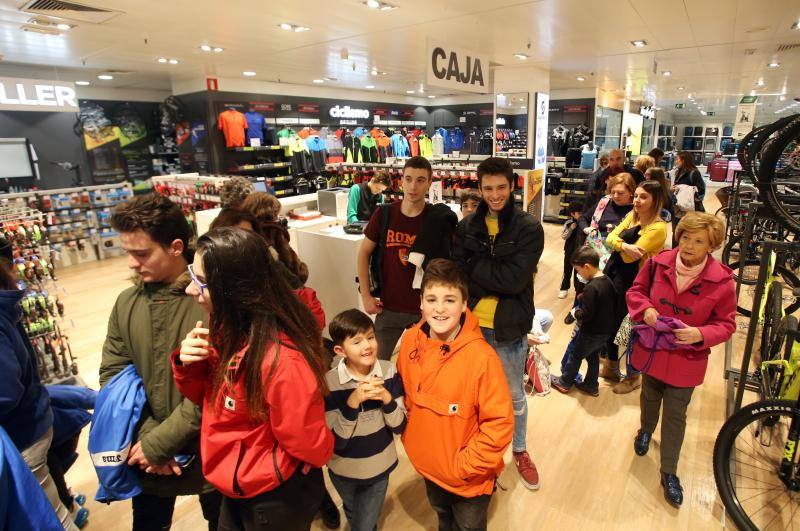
{"x": 308, "y": 108}
{"x": 212, "y": 84}
{"x": 380, "y": 112}
{"x": 261, "y": 105}
{"x": 576, "y": 108}
{"x": 487, "y": 112}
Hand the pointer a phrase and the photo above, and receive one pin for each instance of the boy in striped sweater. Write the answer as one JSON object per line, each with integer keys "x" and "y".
{"x": 364, "y": 409}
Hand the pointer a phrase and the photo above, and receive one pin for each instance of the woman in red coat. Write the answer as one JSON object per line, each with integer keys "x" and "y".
{"x": 258, "y": 375}
{"x": 689, "y": 285}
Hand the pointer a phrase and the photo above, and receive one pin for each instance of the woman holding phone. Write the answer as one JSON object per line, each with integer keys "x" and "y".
{"x": 258, "y": 375}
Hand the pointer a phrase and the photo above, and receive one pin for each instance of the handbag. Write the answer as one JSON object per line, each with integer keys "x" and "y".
{"x": 537, "y": 373}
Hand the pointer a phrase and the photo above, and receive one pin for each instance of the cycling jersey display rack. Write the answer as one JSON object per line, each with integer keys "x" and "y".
{"x": 742, "y": 378}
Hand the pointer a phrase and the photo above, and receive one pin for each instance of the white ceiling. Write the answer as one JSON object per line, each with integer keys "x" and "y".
{"x": 702, "y": 42}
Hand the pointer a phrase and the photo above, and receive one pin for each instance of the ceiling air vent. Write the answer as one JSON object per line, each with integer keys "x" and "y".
{"x": 69, "y": 10}
{"x": 788, "y": 47}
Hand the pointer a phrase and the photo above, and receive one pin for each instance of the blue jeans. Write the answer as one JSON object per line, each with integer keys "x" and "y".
{"x": 362, "y": 501}
{"x": 513, "y": 355}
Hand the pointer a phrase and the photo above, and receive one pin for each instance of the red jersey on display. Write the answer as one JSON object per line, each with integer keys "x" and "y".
{"x": 398, "y": 273}
{"x": 232, "y": 124}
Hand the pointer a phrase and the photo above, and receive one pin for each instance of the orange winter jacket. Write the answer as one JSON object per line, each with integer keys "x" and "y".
{"x": 460, "y": 418}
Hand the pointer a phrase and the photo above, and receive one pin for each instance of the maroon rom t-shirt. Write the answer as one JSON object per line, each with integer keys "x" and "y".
{"x": 398, "y": 274}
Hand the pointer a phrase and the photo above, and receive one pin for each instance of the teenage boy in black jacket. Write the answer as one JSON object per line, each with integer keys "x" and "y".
{"x": 499, "y": 247}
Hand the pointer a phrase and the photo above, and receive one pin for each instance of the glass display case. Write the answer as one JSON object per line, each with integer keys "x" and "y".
{"x": 608, "y": 127}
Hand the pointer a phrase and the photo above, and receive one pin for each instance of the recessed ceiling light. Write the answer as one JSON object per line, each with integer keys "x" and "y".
{"x": 387, "y": 7}
{"x": 286, "y": 26}
{"x": 752, "y": 92}
{"x": 248, "y": 73}
{"x": 318, "y": 81}
{"x": 760, "y": 82}
{"x": 639, "y": 44}
{"x": 782, "y": 98}
{"x": 521, "y": 56}
{"x": 731, "y": 106}
{"x": 82, "y": 83}
{"x": 205, "y": 47}
{"x": 410, "y": 91}
{"x": 370, "y": 87}
{"x": 105, "y": 77}
{"x": 680, "y": 88}
{"x": 298, "y": 29}
{"x": 580, "y": 78}
{"x": 431, "y": 97}
{"x": 374, "y": 4}
{"x": 666, "y": 73}
{"x": 64, "y": 27}
{"x": 524, "y": 107}
{"x": 162, "y": 59}
{"x": 774, "y": 64}
{"x": 173, "y": 61}
{"x": 217, "y": 49}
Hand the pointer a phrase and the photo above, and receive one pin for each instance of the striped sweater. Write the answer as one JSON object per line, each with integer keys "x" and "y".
{"x": 363, "y": 438}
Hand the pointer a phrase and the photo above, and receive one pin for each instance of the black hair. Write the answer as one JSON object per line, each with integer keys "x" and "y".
{"x": 496, "y": 166}
{"x": 575, "y": 206}
{"x": 349, "y": 323}
{"x": 419, "y": 163}
{"x": 469, "y": 195}
{"x": 158, "y": 217}
{"x": 585, "y": 255}
{"x": 252, "y": 306}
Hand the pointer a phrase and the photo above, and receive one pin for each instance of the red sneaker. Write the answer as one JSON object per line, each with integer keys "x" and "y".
{"x": 528, "y": 474}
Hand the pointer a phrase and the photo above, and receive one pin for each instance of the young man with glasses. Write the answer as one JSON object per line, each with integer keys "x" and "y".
{"x": 147, "y": 323}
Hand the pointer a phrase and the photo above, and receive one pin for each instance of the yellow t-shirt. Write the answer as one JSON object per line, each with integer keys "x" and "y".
{"x": 487, "y": 306}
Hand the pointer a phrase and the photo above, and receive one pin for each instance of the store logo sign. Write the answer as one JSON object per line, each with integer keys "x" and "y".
{"x": 37, "y": 95}
{"x": 347, "y": 112}
{"x": 457, "y": 68}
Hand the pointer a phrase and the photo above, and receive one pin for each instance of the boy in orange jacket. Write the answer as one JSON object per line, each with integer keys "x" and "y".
{"x": 460, "y": 417}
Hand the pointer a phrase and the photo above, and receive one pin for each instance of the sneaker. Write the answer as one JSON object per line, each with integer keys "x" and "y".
{"x": 528, "y": 474}
{"x": 591, "y": 391}
{"x": 81, "y": 517}
{"x": 330, "y": 513}
{"x": 569, "y": 319}
{"x": 563, "y": 294}
{"x": 559, "y": 384}
{"x": 80, "y": 499}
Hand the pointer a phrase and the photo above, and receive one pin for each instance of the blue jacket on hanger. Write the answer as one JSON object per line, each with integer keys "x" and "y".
{"x": 24, "y": 405}
{"x": 116, "y": 413}
{"x": 400, "y": 145}
{"x": 23, "y": 504}
{"x": 457, "y": 139}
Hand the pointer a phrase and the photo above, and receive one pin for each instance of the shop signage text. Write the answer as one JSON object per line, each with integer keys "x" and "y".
{"x": 575, "y": 108}
{"x": 347, "y": 112}
{"x": 680, "y": 105}
{"x": 37, "y": 95}
{"x": 457, "y": 68}
{"x": 312, "y": 108}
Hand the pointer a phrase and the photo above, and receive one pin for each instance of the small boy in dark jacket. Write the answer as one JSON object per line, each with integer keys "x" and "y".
{"x": 597, "y": 323}
{"x": 572, "y": 241}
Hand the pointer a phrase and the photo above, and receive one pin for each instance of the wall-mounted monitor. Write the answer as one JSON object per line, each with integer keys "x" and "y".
{"x": 15, "y": 159}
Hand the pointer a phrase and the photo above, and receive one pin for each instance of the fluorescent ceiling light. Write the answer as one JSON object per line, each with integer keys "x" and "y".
{"x": 82, "y": 83}
{"x": 370, "y": 87}
{"x": 205, "y": 47}
{"x": 286, "y": 26}
{"x": 374, "y": 4}
{"x": 580, "y": 78}
{"x": 318, "y": 81}
{"x": 666, "y": 73}
{"x": 521, "y": 56}
{"x": 64, "y": 27}
{"x": 774, "y": 64}
{"x": 162, "y": 59}
{"x": 410, "y": 91}
{"x": 173, "y": 61}
{"x": 639, "y": 43}
{"x": 680, "y": 88}
{"x": 387, "y": 7}
{"x": 248, "y": 73}
{"x": 298, "y": 29}
{"x": 431, "y": 97}
{"x": 217, "y": 49}
{"x": 105, "y": 77}
{"x": 731, "y": 106}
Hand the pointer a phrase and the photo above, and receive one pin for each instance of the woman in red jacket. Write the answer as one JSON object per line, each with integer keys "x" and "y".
{"x": 685, "y": 284}
{"x": 258, "y": 375}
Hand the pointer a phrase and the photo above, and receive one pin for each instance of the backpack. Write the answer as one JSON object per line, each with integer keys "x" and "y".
{"x": 537, "y": 373}
{"x": 376, "y": 260}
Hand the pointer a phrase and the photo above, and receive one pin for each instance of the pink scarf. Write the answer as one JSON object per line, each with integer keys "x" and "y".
{"x": 685, "y": 275}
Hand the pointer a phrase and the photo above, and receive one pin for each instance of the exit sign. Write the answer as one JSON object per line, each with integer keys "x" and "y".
{"x": 680, "y": 105}
{"x": 710, "y": 113}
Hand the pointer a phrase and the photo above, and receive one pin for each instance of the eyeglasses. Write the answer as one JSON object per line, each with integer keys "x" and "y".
{"x": 202, "y": 287}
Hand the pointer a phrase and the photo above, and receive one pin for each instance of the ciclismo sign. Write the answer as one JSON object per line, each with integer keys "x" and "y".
{"x": 348, "y": 112}
{"x": 18, "y": 94}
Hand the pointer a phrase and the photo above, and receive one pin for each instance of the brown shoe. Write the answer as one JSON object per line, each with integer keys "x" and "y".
{"x": 609, "y": 370}
{"x": 628, "y": 385}
{"x": 528, "y": 474}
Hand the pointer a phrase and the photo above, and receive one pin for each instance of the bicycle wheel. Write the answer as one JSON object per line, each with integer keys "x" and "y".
{"x": 790, "y": 301}
{"x": 743, "y": 153}
{"x": 747, "y": 460}
{"x": 771, "y": 375}
{"x": 779, "y": 176}
{"x": 763, "y": 140}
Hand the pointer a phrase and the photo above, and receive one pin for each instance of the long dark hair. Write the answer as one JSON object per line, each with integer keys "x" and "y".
{"x": 656, "y": 191}
{"x": 252, "y": 305}
{"x": 277, "y": 237}
{"x": 687, "y": 161}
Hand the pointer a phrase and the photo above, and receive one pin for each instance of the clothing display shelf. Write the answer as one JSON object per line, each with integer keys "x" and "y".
{"x": 556, "y": 171}
{"x": 42, "y": 309}
{"x": 575, "y": 186}
{"x": 199, "y": 192}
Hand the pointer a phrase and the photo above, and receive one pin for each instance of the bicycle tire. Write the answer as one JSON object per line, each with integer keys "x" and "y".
{"x": 790, "y": 280}
{"x": 725, "y": 454}
{"x": 742, "y": 153}
{"x": 763, "y": 140}
{"x": 773, "y": 314}
{"x": 771, "y": 178}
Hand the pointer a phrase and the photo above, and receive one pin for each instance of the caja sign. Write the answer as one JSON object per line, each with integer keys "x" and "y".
{"x": 457, "y": 68}
{"x": 37, "y": 95}
{"x": 347, "y": 112}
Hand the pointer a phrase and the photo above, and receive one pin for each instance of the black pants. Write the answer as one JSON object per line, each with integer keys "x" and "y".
{"x": 154, "y": 513}
{"x": 457, "y": 513}
{"x": 566, "y": 278}
{"x": 289, "y": 507}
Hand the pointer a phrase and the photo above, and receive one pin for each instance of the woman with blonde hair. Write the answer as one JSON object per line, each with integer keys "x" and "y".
{"x": 686, "y": 284}
{"x": 644, "y": 163}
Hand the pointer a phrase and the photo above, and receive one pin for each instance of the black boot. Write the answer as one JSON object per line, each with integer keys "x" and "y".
{"x": 673, "y": 492}
{"x": 642, "y": 442}
{"x": 329, "y": 512}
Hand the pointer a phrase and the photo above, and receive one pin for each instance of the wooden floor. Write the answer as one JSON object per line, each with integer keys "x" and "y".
{"x": 582, "y": 446}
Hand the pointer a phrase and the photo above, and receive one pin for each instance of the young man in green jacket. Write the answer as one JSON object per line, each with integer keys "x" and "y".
{"x": 147, "y": 323}
{"x": 365, "y": 197}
